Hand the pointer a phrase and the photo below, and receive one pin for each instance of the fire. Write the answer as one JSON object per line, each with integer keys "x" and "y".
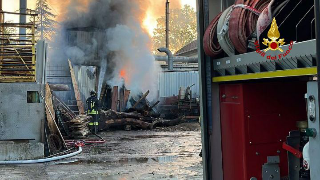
{"x": 123, "y": 75}
{"x": 150, "y": 23}
{"x": 154, "y": 10}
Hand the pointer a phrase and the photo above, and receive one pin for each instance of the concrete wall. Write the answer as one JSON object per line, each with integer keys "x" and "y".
{"x": 20, "y": 120}
{"x": 10, "y": 151}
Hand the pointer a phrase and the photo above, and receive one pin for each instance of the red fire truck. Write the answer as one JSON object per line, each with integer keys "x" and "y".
{"x": 258, "y": 62}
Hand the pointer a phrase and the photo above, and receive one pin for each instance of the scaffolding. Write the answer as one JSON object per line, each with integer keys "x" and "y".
{"x": 17, "y": 51}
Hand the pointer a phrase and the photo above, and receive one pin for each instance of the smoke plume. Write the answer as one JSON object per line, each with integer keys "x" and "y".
{"x": 109, "y": 32}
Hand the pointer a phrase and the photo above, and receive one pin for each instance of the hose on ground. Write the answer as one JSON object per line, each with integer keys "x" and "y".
{"x": 45, "y": 160}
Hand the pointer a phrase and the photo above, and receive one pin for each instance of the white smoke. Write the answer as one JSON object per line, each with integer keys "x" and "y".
{"x": 133, "y": 55}
{"x": 112, "y": 29}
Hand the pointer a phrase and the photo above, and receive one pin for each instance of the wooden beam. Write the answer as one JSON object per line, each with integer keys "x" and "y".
{"x": 114, "y": 102}
{"x": 143, "y": 97}
{"x": 53, "y": 127}
{"x": 126, "y": 97}
{"x": 121, "y": 99}
{"x": 76, "y": 89}
{"x": 59, "y": 87}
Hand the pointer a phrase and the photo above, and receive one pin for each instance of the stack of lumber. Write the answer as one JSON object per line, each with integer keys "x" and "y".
{"x": 79, "y": 126}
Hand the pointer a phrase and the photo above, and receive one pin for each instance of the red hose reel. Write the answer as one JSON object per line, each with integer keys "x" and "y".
{"x": 241, "y": 24}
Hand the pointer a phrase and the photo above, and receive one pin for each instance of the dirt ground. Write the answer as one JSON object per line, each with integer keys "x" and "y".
{"x": 163, "y": 153}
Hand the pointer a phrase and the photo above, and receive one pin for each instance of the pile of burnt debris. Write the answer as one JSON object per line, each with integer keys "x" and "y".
{"x": 117, "y": 110}
{"x": 142, "y": 114}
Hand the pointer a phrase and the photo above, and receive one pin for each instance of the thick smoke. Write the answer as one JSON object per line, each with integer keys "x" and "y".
{"x": 109, "y": 32}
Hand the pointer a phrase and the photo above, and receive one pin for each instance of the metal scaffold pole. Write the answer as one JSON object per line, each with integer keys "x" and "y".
{"x": 1, "y": 30}
{"x": 167, "y": 23}
{"x": 317, "y": 16}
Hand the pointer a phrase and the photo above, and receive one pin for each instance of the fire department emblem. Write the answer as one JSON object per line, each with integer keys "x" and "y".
{"x": 273, "y": 35}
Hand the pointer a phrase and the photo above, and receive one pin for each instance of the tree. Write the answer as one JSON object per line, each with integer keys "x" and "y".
{"x": 183, "y": 29}
{"x": 45, "y": 21}
{"x": 8, "y": 30}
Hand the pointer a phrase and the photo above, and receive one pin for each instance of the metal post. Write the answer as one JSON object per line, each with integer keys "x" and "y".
{"x": 202, "y": 72}
{"x": 170, "y": 57}
{"x": 2, "y": 31}
{"x": 41, "y": 18}
{"x": 0, "y": 11}
{"x": 314, "y": 142}
{"x": 317, "y": 16}
{"x": 23, "y": 18}
{"x": 33, "y": 47}
{"x": 167, "y": 23}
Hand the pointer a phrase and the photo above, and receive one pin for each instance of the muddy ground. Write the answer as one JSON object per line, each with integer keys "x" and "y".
{"x": 163, "y": 153}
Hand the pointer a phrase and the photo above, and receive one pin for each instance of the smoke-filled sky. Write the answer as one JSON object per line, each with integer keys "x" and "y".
{"x": 121, "y": 37}
{"x": 154, "y": 10}
{"x": 111, "y": 33}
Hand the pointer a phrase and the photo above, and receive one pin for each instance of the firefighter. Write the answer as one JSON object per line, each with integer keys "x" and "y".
{"x": 93, "y": 110}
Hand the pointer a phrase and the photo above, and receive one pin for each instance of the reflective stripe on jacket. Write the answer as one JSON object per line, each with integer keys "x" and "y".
{"x": 92, "y": 111}
{"x": 93, "y": 123}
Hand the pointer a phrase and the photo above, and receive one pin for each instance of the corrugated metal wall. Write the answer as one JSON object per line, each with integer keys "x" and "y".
{"x": 86, "y": 77}
{"x": 60, "y": 74}
{"x": 170, "y": 82}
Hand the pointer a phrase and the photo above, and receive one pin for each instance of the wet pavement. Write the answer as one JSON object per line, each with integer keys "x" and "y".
{"x": 157, "y": 154}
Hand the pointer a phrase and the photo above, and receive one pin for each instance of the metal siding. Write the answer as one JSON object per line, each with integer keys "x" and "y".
{"x": 85, "y": 83}
{"x": 61, "y": 75}
{"x": 170, "y": 82}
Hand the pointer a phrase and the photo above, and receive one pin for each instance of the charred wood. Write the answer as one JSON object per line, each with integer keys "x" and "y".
{"x": 128, "y": 121}
{"x": 59, "y": 87}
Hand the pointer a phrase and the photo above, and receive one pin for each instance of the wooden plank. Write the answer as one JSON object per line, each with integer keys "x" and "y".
{"x": 143, "y": 97}
{"x": 114, "y": 102}
{"x": 126, "y": 97}
{"x": 59, "y": 87}
{"x": 76, "y": 90}
{"x": 50, "y": 111}
{"x": 53, "y": 127}
{"x": 121, "y": 99}
{"x": 10, "y": 79}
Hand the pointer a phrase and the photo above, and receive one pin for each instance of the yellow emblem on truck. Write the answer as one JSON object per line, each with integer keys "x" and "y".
{"x": 273, "y": 35}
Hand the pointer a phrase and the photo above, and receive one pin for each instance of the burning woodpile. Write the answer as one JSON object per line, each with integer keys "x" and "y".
{"x": 135, "y": 120}
{"x": 141, "y": 115}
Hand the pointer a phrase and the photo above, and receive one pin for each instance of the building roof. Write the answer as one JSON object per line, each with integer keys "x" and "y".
{"x": 188, "y": 50}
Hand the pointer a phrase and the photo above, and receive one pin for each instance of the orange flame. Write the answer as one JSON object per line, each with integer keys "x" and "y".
{"x": 154, "y": 10}
{"x": 151, "y": 10}
{"x": 123, "y": 75}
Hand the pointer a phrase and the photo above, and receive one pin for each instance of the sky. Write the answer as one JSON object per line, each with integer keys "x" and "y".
{"x": 13, "y": 5}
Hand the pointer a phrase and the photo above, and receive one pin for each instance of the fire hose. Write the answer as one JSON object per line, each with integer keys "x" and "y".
{"x": 243, "y": 22}
{"x": 210, "y": 41}
{"x": 265, "y": 18}
{"x": 229, "y": 30}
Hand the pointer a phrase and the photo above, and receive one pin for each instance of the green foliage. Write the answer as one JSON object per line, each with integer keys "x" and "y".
{"x": 9, "y": 30}
{"x": 45, "y": 20}
{"x": 183, "y": 29}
